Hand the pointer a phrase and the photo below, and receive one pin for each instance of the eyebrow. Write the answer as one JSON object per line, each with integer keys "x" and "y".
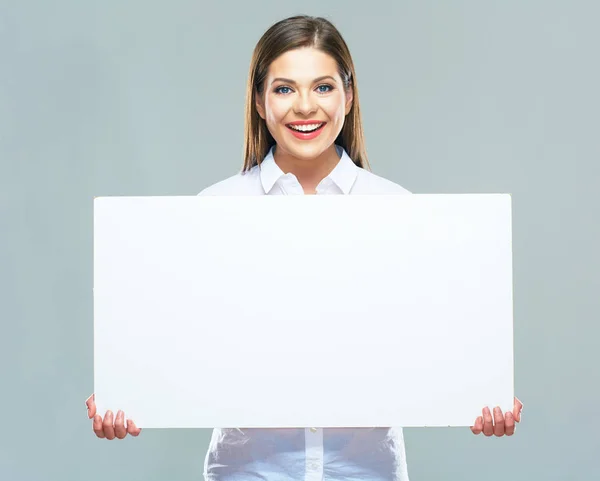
{"x": 290, "y": 81}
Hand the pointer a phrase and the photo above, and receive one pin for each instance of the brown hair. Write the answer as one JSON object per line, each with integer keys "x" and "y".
{"x": 289, "y": 34}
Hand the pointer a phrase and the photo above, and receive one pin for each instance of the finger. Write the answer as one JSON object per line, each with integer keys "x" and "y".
{"x": 97, "y": 425}
{"x": 509, "y": 424}
{"x": 132, "y": 429}
{"x": 488, "y": 428}
{"x": 477, "y": 428}
{"x": 498, "y": 422}
{"x": 517, "y": 410}
{"x": 120, "y": 431}
{"x": 91, "y": 406}
{"x": 109, "y": 429}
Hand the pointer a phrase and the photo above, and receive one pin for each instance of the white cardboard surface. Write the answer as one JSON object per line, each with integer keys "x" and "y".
{"x": 301, "y": 311}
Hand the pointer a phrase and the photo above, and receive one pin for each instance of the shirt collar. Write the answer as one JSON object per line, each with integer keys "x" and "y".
{"x": 343, "y": 175}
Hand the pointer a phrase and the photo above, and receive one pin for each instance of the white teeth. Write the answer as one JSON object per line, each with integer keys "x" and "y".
{"x": 306, "y": 128}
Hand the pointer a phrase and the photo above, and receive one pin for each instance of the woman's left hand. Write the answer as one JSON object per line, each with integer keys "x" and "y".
{"x": 500, "y": 424}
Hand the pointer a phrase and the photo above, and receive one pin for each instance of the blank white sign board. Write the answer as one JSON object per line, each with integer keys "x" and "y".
{"x": 302, "y": 311}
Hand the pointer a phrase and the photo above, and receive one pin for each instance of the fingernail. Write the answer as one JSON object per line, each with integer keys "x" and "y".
{"x": 119, "y": 413}
{"x": 497, "y": 410}
{"x": 486, "y": 410}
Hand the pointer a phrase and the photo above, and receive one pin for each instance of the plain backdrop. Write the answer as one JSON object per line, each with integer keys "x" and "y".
{"x": 146, "y": 98}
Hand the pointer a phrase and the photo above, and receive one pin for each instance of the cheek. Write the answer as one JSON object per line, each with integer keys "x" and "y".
{"x": 276, "y": 110}
{"x": 335, "y": 106}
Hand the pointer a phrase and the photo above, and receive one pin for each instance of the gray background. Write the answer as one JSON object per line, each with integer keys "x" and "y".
{"x": 146, "y": 98}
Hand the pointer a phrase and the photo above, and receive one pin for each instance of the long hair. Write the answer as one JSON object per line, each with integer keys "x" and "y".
{"x": 289, "y": 34}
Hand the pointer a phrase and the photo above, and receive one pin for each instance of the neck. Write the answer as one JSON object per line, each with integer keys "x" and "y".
{"x": 309, "y": 172}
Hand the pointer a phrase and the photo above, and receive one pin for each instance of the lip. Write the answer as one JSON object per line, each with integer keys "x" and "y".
{"x": 306, "y": 122}
{"x": 309, "y": 135}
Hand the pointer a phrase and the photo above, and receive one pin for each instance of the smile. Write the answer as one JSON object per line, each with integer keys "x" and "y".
{"x": 307, "y": 127}
{"x": 306, "y": 131}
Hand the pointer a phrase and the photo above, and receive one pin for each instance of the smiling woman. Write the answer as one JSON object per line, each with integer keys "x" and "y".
{"x": 304, "y": 135}
{"x": 304, "y": 111}
{"x": 302, "y": 96}
{"x": 294, "y": 97}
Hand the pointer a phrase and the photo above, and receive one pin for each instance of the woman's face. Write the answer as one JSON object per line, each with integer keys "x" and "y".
{"x": 304, "y": 103}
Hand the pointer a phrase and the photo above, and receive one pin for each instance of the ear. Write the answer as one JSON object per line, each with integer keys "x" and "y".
{"x": 260, "y": 104}
{"x": 349, "y": 98}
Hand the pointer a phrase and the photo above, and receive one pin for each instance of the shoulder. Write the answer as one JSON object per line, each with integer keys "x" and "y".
{"x": 369, "y": 183}
{"x": 243, "y": 183}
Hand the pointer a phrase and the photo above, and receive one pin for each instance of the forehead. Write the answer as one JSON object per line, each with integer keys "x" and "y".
{"x": 303, "y": 64}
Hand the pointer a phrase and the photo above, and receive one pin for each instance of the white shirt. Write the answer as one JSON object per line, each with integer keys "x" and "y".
{"x": 348, "y": 454}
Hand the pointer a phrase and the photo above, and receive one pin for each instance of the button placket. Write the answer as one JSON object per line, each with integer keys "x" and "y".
{"x": 314, "y": 454}
{"x": 292, "y": 186}
{"x": 324, "y": 186}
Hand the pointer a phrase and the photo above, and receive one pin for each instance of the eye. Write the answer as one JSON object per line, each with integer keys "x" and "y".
{"x": 324, "y": 88}
{"x": 283, "y": 90}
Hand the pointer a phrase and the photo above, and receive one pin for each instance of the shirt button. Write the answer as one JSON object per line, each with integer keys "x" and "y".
{"x": 313, "y": 430}
{"x": 314, "y": 466}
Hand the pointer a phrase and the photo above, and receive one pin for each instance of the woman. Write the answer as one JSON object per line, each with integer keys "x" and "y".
{"x": 304, "y": 136}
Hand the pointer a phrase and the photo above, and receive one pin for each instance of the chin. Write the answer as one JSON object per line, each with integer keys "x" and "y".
{"x": 307, "y": 151}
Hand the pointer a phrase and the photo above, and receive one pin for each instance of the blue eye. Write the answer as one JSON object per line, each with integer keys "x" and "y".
{"x": 322, "y": 89}
{"x": 327, "y": 88}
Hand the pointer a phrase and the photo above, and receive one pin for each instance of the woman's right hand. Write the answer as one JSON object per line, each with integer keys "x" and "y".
{"x": 108, "y": 427}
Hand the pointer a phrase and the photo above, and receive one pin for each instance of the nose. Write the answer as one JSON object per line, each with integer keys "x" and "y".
{"x": 305, "y": 104}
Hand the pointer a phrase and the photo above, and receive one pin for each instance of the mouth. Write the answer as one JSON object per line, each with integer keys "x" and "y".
{"x": 306, "y": 130}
